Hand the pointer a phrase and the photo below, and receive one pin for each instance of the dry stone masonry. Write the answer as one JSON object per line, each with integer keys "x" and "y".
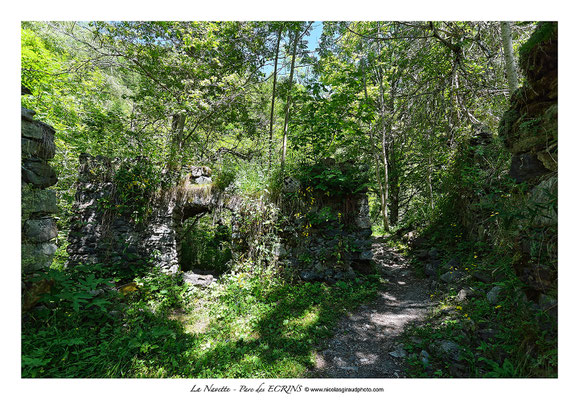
{"x": 330, "y": 249}
{"x": 529, "y": 130}
{"x": 38, "y": 202}
{"x": 99, "y": 234}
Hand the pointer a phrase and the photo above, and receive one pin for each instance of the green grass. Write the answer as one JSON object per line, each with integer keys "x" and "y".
{"x": 250, "y": 325}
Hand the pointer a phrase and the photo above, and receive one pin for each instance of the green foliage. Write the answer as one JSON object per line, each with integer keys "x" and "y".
{"x": 135, "y": 184}
{"x": 256, "y": 325}
{"x": 85, "y": 328}
{"x": 333, "y": 179}
{"x": 544, "y": 31}
{"x": 206, "y": 246}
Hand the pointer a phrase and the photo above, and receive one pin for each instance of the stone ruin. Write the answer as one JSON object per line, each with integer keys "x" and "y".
{"x": 331, "y": 253}
{"x": 334, "y": 249}
{"x": 38, "y": 202}
{"x": 529, "y": 129}
{"x": 99, "y": 235}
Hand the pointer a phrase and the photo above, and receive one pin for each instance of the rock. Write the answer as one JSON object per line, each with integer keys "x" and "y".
{"x": 463, "y": 294}
{"x": 40, "y": 230}
{"x": 202, "y": 180}
{"x": 37, "y": 257}
{"x": 30, "y": 148}
{"x": 38, "y": 201}
{"x": 451, "y": 276}
{"x": 482, "y": 277}
{"x": 487, "y": 334}
{"x": 433, "y": 286}
{"x": 367, "y": 255}
{"x": 398, "y": 352}
{"x": 38, "y": 173}
{"x": 433, "y": 253}
{"x": 525, "y": 167}
{"x": 27, "y": 114}
{"x": 352, "y": 368}
{"x": 308, "y": 275}
{"x": 449, "y": 349}
{"x": 195, "y": 279}
{"x": 424, "y": 358}
{"x": 430, "y": 270}
{"x": 200, "y": 171}
{"x": 36, "y": 130}
{"x": 494, "y": 294}
{"x": 451, "y": 264}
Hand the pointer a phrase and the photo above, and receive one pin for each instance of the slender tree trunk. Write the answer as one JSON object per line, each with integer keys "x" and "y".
{"x": 288, "y": 102}
{"x": 394, "y": 188}
{"x": 384, "y": 131}
{"x": 430, "y": 191}
{"x": 509, "y": 57}
{"x": 273, "y": 95}
{"x": 383, "y": 204}
{"x": 177, "y": 126}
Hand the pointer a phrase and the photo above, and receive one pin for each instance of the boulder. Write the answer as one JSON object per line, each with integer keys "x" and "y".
{"x": 525, "y": 167}
{"x": 464, "y": 294}
{"x": 42, "y": 149}
{"x": 38, "y": 202}
{"x": 40, "y": 230}
{"x": 449, "y": 349}
{"x": 430, "y": 270}
{"x": 451, "y": 276}
{"x": 493, "y": 296}
{"x": 202, "y": 180}
{"x": 36, "y": 130}
{"x": 196, "y": 279}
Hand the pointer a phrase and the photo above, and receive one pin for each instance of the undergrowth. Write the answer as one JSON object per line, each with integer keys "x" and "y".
{"x": 249, "y": 325}
{"x": 508, "y": 339}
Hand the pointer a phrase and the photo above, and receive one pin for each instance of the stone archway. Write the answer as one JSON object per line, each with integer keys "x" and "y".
{"x": 99, "y": 236}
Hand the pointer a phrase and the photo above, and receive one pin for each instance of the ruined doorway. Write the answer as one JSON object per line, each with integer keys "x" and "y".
{"x": 204, "y": 241}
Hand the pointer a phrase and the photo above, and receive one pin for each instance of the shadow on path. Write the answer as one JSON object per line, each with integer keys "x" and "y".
{"x": 364, "y": 339}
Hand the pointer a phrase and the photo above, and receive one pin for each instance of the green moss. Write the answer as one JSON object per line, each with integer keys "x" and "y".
{"x": 543, "y": 33}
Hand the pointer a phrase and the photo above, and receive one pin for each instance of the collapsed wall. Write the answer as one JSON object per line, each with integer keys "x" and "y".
{"x": 326, "y": 236}
{"x": 321, "y": 236}
{"x": 38, "y": 202}
{"x": 102, "y": 231}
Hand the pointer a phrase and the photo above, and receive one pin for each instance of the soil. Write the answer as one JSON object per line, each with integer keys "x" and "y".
{"x": 365, "y": 338}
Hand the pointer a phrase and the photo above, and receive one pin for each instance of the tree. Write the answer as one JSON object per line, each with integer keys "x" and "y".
{"x": 506, "y": 37}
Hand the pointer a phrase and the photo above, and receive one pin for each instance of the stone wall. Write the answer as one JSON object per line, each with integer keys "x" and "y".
{"x": 38, "y": 202}
{"x": 330, "y": 250}
{"x": 529, "y": 130}
{"x": 99, "y": 234}
{"x": 529, "y": 126}
{"x": 327, "y": 236}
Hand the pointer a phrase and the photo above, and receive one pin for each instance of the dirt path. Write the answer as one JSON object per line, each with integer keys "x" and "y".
{"x": 364, "y": 344}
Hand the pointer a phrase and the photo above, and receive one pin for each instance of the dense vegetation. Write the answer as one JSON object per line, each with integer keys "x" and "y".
{"x": 400, "y": 102}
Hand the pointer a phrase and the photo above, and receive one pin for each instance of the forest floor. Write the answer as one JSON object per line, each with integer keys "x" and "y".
{"x": 367, "y": 341}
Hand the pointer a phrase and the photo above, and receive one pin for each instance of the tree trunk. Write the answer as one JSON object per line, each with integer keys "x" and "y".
{"x": 509, "y": 57}
{"x": 289, "y": 99}
{"x": 384, "y": 130}
{"x": 177, "y": 127}
{"x": 273, "y": 95}
{"x": 383, "y": 204}
{"x": 394, "y": 188}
